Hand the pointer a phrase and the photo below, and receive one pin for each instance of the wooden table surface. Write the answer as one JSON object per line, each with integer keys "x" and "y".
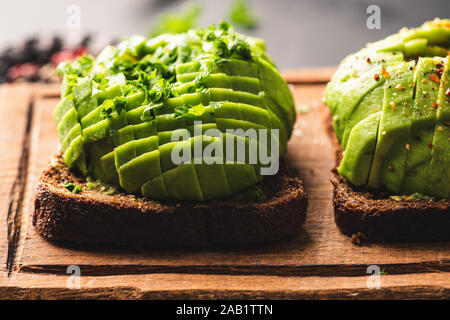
{"x": 319, "y": 262}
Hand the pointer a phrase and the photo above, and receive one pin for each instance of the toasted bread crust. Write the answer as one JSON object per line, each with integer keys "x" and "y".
{"x": 372, "y": 215}
{"x": 376, "y": 217}
{"x": 94, "y": 217}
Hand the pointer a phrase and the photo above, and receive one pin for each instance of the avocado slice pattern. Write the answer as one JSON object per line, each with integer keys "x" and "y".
{"x": 119, "y": 112}
{"x": 401, "y": 82}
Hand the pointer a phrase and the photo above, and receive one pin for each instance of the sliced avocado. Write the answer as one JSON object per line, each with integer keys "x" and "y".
{"x": 83, "y": 89}
{"x": 135, "y": 100}
{"x": 207, "y": 116}
{"x": 134, "y": 116}
{"x": 138, "y": 171}
{"x": 124, "y": 153}
{"x": 167, "y": 122}
{"x": 123, "y": 135}
{"x": 166, "y": 136}
{"x": 276, "y": 89}
{"x": 351, "y": 68}
{"x": 432, "y": 32}
{"x": 360, "y": 91}
{"x": 105, "y": 170}
{"x": 96, "y": 132}
{"x": 416, "y": 47}
{"x": 109, "y": 93}
{"x": 182, "y": 183}
{"x": 98, "y": 149}
{"x": 86, "y": 106}
{"x": 71, "y": 135}
{"x": 62, "y": 108}
{"x": 232, "y": 67}
{"x": 92, "y": 117}
{"x": 423, "y": 126}
{"x": 240, "y": 176}
{"x": 234, "y": 144}
{"x": 352, "y": 96}
{"x": 68, "y": 121}
{"x": 370, "y": 104}
{"x": 145, "y": 129}
{"x": 166, "y": 153}
{"x": 221, "y": 94}
{"x": 246, "y": 112}
{"x": 228, "y": 110}
{"x": 164, "y": 86}
{"x": 155, "y": 189}
{"x": 187, "y": 67}
{"x": 394, "y": 128}
{"x": 438, "y": 179}
{"x": 238, "y": 83}
{"x": 145, "y": 145}
{"x": 357, "y": 160}
{"x": 192, "y": 99}
{"x": 74, "y": 155}
{"x": 276, "y": 124}
{"x": 202, "y": 128}
{"x": 438, "y": 176}
{"x": 221, "y": 80}
{"x": 132, "y": 149}
{"x": 213, "y": 180}
{"x": 255, "y": 115}
{"x": 224, "y": 124}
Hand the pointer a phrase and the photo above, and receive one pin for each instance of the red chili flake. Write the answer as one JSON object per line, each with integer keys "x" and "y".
{"x": 390, "y": 167}
{"x": 430, "y": 144}
{"x": 384, "y": 72}
{"x": 434, "y": 77}
{"x": 435, "y": 104}
{"x": 376, "y": 76}
{"x": 368, "y": 60}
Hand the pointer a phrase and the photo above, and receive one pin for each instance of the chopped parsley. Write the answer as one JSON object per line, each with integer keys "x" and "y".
{"x": 143, "y": 71}
{"x": 113, "y": 108}
{"x": 186, "y": 111}
{"x": 72, "y": 187}
{"x": 413, "y": 197}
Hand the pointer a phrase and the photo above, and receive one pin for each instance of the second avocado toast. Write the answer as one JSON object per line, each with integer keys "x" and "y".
{"x": 390, "y": 105}
{"x": 117, "y": 180}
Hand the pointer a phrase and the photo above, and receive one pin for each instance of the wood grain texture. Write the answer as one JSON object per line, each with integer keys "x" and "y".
{"x": 319, "y": 262}
{"x": 16, "y": 104}
{"x": 187, "y": 286}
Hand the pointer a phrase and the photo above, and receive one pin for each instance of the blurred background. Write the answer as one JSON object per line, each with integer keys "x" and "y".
{"x": 298, "y": 33}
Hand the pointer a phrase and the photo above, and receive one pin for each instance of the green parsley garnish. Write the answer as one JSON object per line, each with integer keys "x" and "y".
{"x": 414, "y": 196}
{"x": 73, "y": 188}
{"x": 189, "y": 111}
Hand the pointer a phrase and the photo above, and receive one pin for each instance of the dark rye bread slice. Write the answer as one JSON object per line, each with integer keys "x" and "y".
{"x": 372, "y": 215}
{"x": 95, "y": 217}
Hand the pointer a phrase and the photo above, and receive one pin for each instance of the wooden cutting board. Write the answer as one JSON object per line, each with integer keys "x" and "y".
{"x": 319, "y": 262}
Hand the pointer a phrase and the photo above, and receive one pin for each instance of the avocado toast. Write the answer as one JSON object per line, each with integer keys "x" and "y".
{"x": 168, "y": 142}
{"x": 389, "y": 106}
